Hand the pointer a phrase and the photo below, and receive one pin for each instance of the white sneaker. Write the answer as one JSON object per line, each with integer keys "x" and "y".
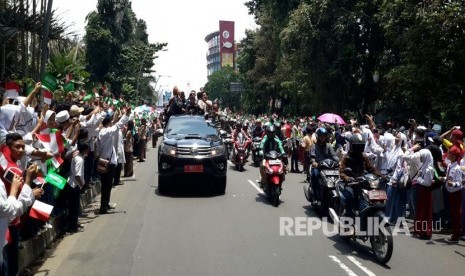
{"x": 48, "y": 226}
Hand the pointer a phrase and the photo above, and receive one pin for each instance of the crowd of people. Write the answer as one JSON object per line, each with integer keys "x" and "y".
{"x": 69, "y": 140}
{"x": 85, "y": 142}
{"x": 424, "y": 166}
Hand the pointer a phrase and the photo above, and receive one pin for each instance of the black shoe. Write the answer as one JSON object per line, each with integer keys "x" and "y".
{"x": 103, "y": 211}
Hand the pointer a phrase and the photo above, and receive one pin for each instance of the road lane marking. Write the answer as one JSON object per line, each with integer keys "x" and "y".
{"x": 342, "y": 265}
{"x": 255, "y": 186}
{"x": 357, "y": 263}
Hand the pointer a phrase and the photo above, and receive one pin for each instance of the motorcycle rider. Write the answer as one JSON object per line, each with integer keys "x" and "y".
{"x": 270, "y": 143}
{"x": 320, "y": 151}
{"x": 258, "y": 130}
{"x": 235, "y": 133}
{"x": 358, "y": 163}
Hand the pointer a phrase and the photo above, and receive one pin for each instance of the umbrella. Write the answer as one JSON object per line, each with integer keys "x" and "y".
{"x": 331, "y": 118}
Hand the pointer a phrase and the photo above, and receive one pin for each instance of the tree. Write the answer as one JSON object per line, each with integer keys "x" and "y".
{"x": 218, "y": 87}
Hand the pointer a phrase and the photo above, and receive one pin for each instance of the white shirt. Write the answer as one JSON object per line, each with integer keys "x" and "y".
{"x": 92, "y": 128}
{"x": 106, "y": 138}
{"x": 454, "y": 174}
{"x": 119, "y": 142}
{"x": 10, "y": 208}
{"x": 77, "y": 170}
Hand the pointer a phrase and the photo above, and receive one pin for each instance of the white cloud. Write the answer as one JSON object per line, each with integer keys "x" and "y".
{"x": 183, "y": 24}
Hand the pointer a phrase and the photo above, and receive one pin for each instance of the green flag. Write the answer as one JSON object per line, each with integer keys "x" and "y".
{"x": 68, "y": 87}
{"x": 56, "y": 180}
{"x": 49, "y": 82}
{"x": 29, "y": 88}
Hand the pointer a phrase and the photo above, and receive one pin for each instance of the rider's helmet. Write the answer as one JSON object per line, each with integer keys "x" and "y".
{"x": 258, "y": 123}
{"x": 357, "y": 144}
{"x": 270, "y": 131}
{"x": 321, "y": 134}
{"x": 238, "y": 125}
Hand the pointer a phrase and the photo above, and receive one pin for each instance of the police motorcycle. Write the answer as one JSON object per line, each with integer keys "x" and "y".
{"x": 370, "y": 220}
{"x": 274, "y": 172}
{"x": 329, "y": 176}
{"x": 227, "y": 140}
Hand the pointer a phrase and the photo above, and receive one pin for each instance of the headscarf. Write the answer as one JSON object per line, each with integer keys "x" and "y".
{"x": 426, "y": 172}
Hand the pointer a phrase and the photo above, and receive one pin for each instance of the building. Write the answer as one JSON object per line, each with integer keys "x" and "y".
{"x": 221, "y": 48}
{"x": 213, "y": 53}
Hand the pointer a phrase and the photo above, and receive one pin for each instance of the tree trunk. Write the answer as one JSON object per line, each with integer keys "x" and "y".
{"x": 44, "y": 48}
{"x": 33, "y": 44}
{"x": 23, "y": 42}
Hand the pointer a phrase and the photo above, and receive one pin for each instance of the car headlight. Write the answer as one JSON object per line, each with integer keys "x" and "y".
{"x": 374, "y": 184}
{"x": 218, "y": 150}
{"x": 168, "y": 150}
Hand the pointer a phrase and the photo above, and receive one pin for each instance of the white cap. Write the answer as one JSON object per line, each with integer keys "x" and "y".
{"x": 62, "y": 116}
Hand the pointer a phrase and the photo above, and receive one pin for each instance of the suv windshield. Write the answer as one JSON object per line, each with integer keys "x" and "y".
{"x": 188, "y": 126}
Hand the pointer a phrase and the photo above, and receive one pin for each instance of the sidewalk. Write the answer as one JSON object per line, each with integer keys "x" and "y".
{"x": 33, "y": 249}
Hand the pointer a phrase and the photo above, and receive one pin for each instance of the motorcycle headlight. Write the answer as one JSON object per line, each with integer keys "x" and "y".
{"x": 218, "y": 150}
{"x": 374, "y": 184}
{"x": 168, "y": 150}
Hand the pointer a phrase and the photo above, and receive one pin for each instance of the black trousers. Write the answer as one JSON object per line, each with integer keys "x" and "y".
{"x": 107, "y": 182}
{"x": 295, "y": 159}
{"x": 117, "y": 176}
{"x": 74, "y": 202}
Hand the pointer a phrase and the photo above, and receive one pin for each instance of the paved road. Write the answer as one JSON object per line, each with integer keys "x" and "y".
{"x": 232, "y": 234}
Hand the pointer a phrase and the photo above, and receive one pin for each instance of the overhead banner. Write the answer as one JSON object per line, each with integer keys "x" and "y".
{"x": 227, "y": 43}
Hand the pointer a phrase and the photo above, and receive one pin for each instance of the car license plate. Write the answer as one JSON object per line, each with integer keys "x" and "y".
{"x": 377, "y": 195}
{"x": 193, "y": 168}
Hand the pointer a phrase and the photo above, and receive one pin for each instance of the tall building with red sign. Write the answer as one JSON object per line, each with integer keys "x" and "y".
{"x": 221, "y": 48}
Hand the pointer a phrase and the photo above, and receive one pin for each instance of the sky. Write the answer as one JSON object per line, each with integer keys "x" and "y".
{"x": 183, "y": 24}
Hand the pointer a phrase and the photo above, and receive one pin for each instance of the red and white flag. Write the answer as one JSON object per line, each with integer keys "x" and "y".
{"x": 41, "y": 210}
{"x": 11, "y": 90}
{"x": 39, "y": 180}
{"x": 68, "y": 78}
{"x": 57, "y": 161}
{"x": 52, "y": 141}
{"x": 48, "y": 96}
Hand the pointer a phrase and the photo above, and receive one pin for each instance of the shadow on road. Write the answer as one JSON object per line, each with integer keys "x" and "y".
{"x": 262, "y": 198}
{"x": 189, "y": 191}
{"x": 356, "y": 249}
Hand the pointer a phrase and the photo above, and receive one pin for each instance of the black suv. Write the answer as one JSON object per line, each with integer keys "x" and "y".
{"x": 191, "y": 151}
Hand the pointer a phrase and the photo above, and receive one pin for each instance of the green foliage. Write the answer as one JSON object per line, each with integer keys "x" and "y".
{"x": 322, "y": 56}
{"x": 118, "y": 50}
{"x": 218, "y": 86}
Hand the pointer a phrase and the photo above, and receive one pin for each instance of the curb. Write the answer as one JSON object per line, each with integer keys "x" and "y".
{"x": 34, "y": 248}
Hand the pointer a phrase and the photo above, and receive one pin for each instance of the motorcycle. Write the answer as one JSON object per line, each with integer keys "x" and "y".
{"x": 329, "y": 175}
{"x": 256, "y": 156}
{"x": 372, "y": 202}
{"x": 274, "y": 171}
{"x": 239, "y": 156}
{"x": 227, "y": 140}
